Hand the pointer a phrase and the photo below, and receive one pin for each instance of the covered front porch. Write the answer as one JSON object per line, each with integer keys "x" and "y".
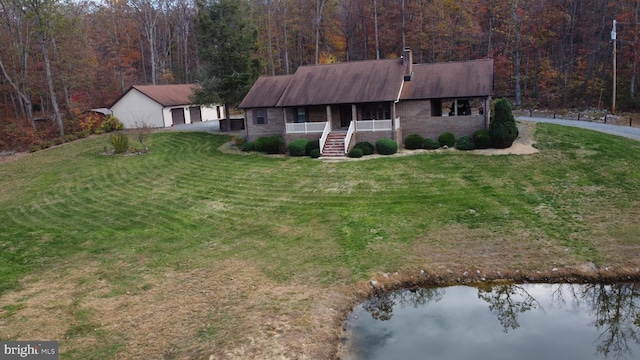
{"x": 341, "y": 123}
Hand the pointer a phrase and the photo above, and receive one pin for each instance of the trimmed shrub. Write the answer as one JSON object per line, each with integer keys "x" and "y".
{"x": 431, "y": 144}
{"x": 414, "y": 141}
{"x": 70, "y": 137}
{"x": 366, "y": 147}
{"x": 248, "y": 146}
{"x": 120, "y": 142}
{"x": 34, "y": 147}
{"x": 298, "y": 147}
{"x": 465, "y": 143}
{"x": 314, "y": 153}
{"x": 58, "y": 141}
{"x": 312, "y": 144}
{"x": 111, "y": 123}
{"x": 355, "y": 153}
{"x": 482, "y": 139}
{"x": 447, "y": 139}
{"x": 503, "y": 126}
{"x": 270, "y": 144}
{"x": 386, "y": 147}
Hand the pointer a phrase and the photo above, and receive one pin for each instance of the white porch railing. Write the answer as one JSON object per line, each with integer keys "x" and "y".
{"x": 325, "y": 134}
{"x": 306, "y": 127}
{"x": 373, "y": 125}
{"x": 347, "y": 138}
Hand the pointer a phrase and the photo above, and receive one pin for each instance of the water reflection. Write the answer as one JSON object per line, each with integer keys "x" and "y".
{"x": 568, "y": 321}
{"x": 507, "y": 301}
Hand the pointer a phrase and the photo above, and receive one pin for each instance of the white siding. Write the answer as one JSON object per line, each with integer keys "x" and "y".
{"x": 135, "y": 109}
{"x": 210, "y": 113}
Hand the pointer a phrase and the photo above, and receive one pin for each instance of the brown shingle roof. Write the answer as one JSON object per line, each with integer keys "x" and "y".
{"x": 165, "y": 95}
{"x": 371, "y": 81}
{"x": 345, "y": 83}
{"x": 450, "y": 80}
{"x": 266, "y": 91}
{"x": 169, "y": 95}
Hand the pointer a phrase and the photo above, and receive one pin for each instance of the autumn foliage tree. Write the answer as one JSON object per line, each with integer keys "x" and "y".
{"x": 77, "y": 55}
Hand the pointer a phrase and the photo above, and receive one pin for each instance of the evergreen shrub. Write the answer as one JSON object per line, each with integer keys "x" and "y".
{"x": 312, "y": 144}
{"x": 447, "y": 139}
{"x": 298, "y": 147}
{"x": 366, "y": 147}
{"x": 482, "y": 139}
{"x": 414, "y": 141}
{"x": 431, "y": 144}
{"x": 503, "y": 126}
{"x": 248, "y": 146}
{"x": 355, "y": 153}
{"x": 465, "y": 143}
{"x": 270, "y": 144}
{"x": 314, "y": 153}
{"x": 386, "y": 147}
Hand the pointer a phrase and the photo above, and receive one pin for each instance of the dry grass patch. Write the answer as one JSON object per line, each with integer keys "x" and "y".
{"x": 230, "y": 310}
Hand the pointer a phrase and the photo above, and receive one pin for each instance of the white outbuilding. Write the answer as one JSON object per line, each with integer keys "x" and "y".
{"x": 162, "y": 106}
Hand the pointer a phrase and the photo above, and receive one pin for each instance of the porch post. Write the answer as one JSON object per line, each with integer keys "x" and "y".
{"x": 329, "y": 117}
{"x": 354, "y": 115}
{"x": 284, "y": 117}
{"x": 393, "y": 122}
{"x": 487, "y": 111}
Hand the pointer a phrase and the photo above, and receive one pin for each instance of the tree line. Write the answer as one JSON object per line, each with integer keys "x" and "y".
{"x": 61, "y": 57}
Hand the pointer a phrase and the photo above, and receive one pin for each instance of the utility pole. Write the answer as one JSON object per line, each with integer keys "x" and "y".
{"x": 613, "y": 37}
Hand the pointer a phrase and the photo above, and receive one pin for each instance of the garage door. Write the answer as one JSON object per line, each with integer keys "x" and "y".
{"x": 177, "y": 116}
{"x": 195, "y": 114}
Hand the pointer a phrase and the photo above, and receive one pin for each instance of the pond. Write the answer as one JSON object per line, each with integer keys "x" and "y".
{"x": 508, "y": 321}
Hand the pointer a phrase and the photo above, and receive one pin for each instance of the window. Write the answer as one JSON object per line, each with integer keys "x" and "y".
{"x": 300, "y": 115}
{"x": 260, "y": 116}
{"x": 378, "y": 111}
{"x": 436, "y": 107}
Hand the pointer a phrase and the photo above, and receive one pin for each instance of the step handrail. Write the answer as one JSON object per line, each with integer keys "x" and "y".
{"x": 347, "y": 138}
{"x": 325, "y": 134}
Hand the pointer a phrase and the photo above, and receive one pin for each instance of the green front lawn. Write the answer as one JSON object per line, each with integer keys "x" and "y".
{"x": 186, "y": 206}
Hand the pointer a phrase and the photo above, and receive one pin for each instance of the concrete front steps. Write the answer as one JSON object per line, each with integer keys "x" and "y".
{"x": 334, "y": 147}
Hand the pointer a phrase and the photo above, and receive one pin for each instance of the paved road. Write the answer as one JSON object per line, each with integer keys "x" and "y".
{"x": 625, "y": 131}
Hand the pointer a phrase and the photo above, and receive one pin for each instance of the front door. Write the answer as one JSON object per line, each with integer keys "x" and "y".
{"x": 345, "y": 116}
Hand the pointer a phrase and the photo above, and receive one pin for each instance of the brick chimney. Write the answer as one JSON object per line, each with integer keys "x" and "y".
{"x": 407, "y": 60}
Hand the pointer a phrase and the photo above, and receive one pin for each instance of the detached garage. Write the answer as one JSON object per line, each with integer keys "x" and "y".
{"x": 162, "y": 106}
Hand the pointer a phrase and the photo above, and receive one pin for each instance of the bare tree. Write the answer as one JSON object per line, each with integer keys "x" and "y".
{"x": 14, "y": 64}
